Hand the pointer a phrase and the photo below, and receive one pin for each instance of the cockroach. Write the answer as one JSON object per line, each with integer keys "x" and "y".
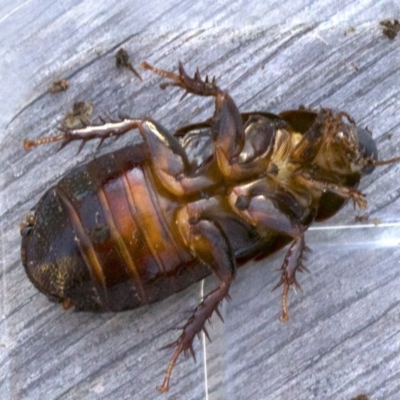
{"x": 137, "y": 225}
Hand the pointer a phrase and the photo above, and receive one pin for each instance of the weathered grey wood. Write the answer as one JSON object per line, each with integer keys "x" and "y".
{"x": 344, "y": 333}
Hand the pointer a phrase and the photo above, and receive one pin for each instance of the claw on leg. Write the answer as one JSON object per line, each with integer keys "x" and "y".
{"x": 165, "y": 385}
{"x": 32, "y": 143}
{"x": 209, "y": 243}
{"x": 292, "y": 263}
{"x": 193, "y": 326}
{"x": 285, "y": 316}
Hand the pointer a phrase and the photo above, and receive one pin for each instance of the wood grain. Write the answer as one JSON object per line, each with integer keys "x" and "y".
{"x": 343, "y": 337}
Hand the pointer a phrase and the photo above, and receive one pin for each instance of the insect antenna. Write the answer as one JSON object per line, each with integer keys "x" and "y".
{"x": 378, "y": 163}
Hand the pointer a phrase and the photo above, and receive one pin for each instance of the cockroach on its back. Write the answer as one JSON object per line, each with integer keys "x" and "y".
{"x": 139, "y": 224}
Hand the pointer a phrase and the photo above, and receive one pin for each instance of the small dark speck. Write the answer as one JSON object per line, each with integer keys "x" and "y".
{"x": 80, "y": 115}
{"x": 350, "y": 29}
{"x": 390, "y": 28}
{"x": 362, "y": 218}
{"x": 122, "y": 61}
{"x": 60, "y": 85}
{"x": 360, "y": 397}
{"x": 376, "y": 221}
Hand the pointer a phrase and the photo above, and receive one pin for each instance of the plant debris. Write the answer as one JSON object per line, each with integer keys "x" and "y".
{"x": 390, "y": 28}
{"x": 60, "y": 85}
{"x": 122, "y": 61}
{"x": 80, "y": 115}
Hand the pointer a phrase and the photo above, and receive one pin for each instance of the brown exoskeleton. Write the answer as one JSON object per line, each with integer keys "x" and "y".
{"x": 134, "y": 226}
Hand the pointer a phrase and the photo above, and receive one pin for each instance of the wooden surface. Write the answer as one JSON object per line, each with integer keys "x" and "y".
{"x": 343, "y": 337}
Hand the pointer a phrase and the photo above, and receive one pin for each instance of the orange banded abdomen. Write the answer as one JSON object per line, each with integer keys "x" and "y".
{"x": 104, "y": 238}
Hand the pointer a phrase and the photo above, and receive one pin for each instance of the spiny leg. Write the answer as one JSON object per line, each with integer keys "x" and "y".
{"x": 226, "y": 123}
{"x": 171, "y": 158}
{"x": 89, "y": 132}
{"x": 257, "y": 204}
{"x": 209, "y": 243}
{"x": 291, "y": 264}
{"x": 193, "y": 327}
{"x": 168, "y": 158}
{"x": 193, "y": 85}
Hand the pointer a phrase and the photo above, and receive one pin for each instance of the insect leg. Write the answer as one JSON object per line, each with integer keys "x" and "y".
{"x": 193, "y": 127}
{"x": 343, "y": 191}
{"x": 170, "y": 160}
{"x": 209, "y": 243}
{"x": 193, "y": 85}
{"x": 102, "y": 132}
{"x": 260, "y": 210}
{"x": 168, "y": 157}
{"x": 291, "y": 264}
{"x": 170, "y": 163}
{"x": 227, "y": 121}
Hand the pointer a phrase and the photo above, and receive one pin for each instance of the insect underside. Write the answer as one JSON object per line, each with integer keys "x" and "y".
{"x": 215, "y": 194}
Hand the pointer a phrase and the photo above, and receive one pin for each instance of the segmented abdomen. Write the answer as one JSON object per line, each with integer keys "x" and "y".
{"x": 105, "y": 237}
